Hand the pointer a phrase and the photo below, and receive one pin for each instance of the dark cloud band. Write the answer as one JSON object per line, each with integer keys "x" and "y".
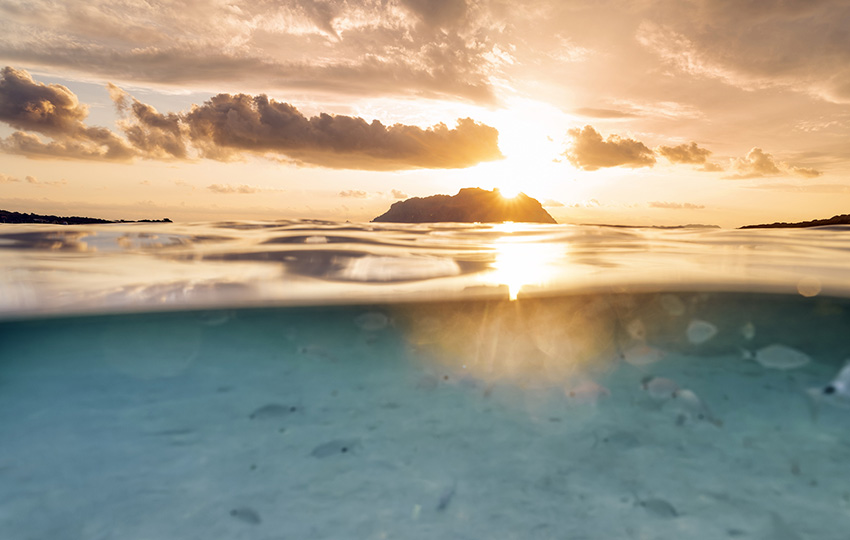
{"x": 228, "y": 127}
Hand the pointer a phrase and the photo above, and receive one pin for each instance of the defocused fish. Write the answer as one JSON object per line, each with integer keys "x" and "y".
{"x": 335, "y": 447}
{"x": 691, "y": 407}
{"x": 587, "y": 393}
{"x": 317, "y": 351}
{"x": 372, "y": 321}
{"x": 215, "y": 318}
{"x": 672, "y": 304}
{"x": 836, "y": 392}
{"x": 636, "y": 329}
{"x": 700, "y": 331}
{"x": 778, "y": 356}
{"x": 746, "y": 354}
{"x": 659, "y": 388}
{"x": 658, "y": 508}
{"x": 246, "y": 515}
{"x": 642, "y": 354}
{"x": 273, "y": 411}
{"x": 446, "y": 497}
{"x": 748, "y": 330}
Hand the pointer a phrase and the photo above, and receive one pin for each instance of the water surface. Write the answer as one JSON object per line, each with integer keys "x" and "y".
{"x": 333, "y": 380}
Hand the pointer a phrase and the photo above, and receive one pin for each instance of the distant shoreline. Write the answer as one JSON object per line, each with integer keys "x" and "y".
{"x": 7, "y": 217}
{"x": 688, "y": 226}
{"x": 841, "y": 219}
{"x": 18, "y": 217}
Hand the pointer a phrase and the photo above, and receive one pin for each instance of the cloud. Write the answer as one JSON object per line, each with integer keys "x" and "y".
{"x": 410, "y": 47}
{"x": 29, "y": 105}
{"x": 398, "y": 194}
{"x": 29, "y": 179}
{"x": 437, "y": 13}
{"x": 182, "y": 183}
{"x": 243, "y": 189}
{"x": 155, "y": 135}
{"x": 590, "y": 203}
{"x": 805, "y": 172}
{"x": 711, "y": 167}
{"x": 757, "y": 164}
{"x": 55, "y": 111}
{"x": 800, "y": 45}
{"x": 354, "y": 193}
{"x": 34, "y": 180}
{"x": 552, "y": 203}
{"x": 684, "y": 153}
{"x": 804, "y": 188}
{"x": 591, "y": 112}
{"x": 429, "y": 47}
{"x": 675, "y": 205}
{"x": 97, "y": 144}
{"x": 590, "y": 152}
{"x": 228, "y": 125}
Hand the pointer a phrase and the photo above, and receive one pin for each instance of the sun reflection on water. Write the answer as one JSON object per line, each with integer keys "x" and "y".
{"x": 520, "y": 262}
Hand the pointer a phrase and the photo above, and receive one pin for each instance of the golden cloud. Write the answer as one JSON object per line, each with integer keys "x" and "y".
{"x": 589, "y": 151}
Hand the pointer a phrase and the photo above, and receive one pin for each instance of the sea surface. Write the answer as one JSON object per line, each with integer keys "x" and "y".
{"x": 323, "y": 380}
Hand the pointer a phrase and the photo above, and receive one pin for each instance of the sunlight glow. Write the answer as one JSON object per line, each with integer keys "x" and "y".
{"x": 509, "y": 192}
{"x": 530, "y": 137}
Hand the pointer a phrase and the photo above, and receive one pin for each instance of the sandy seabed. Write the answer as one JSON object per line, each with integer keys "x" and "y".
{"x": 319, "y": 423}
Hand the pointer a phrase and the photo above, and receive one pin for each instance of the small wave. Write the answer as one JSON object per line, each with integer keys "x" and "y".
{"x": 126, "y": 267}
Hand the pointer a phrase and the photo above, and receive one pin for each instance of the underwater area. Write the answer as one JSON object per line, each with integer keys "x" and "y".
{"x": 319, "y": 380}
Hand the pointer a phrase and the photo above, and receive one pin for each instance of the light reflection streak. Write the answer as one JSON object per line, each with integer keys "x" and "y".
{"x": 520, "y": 262}
{"x": 532, "y": 343}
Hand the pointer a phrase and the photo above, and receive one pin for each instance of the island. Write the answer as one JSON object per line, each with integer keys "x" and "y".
{"x": 688, "y": 226}
{"x": 470, "y": 205}
{"x": 841, "y": 219}
{"x": 18, "y": 217}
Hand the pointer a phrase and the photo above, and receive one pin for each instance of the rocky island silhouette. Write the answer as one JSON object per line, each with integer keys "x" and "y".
{"x": 470, "y": 205}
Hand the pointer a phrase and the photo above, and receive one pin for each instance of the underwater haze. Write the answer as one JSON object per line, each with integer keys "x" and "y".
{"x": 322, "y": 380}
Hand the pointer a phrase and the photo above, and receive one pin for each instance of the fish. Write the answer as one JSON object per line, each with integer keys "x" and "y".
{"x": 659, "y": 388}
{"x": 636, "y": 329}
{"x": 700, "y": 331}
{"x": 618, "y": 440}
{"x": 782, "y": 357}
{"x": 215, "y": 318}
{"x": 335, "y": 447}
{"x": 837, "y": 392}
{"x": 246, "y": 515}
{"x": 317, "y": 351}
{"x": 691, "y": 407}
{"x": 372, "y": 321}
{"x": 658, "y": 508}
{"x": 748, "y": 330}
{"x": 587, "y": 393}
{"x": 273, "y": 410}
{"x": 446, "y": 497}
{"x": 642, "y": 354}
{"x": 672, "y": 304}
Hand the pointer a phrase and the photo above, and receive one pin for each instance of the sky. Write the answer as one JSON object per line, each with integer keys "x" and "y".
{"x": 641, "y": 112}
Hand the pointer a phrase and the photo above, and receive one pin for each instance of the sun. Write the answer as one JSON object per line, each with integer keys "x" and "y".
{"x": 530, "y": 141}
{"x": 509, "y": 192}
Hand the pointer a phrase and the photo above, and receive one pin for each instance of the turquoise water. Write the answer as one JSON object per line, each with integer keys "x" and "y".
{"x": 329, "y": 380}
